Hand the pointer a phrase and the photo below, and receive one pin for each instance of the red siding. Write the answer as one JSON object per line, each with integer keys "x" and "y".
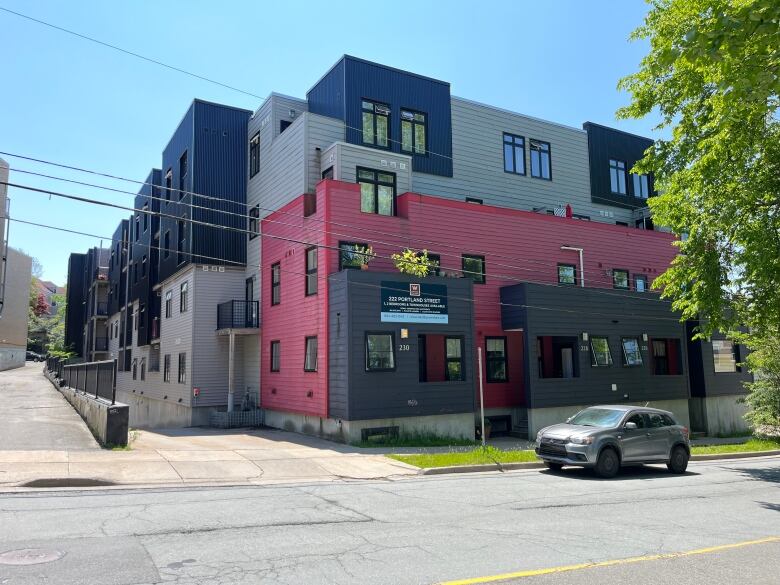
{"x": 518, "y": 245}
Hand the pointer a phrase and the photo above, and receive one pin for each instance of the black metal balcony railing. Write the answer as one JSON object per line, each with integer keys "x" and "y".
{"x": 238, "y": 315}
{"x": 101, "y": 344}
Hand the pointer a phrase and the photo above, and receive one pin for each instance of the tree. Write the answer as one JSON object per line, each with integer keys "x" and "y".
{"x": 764, "y": 397}
{"x": 40, "y": 306}
{"x": 413, "y": 263}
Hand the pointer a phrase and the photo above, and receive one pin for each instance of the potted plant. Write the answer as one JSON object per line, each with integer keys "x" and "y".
{"x": 413, "y": 263}
{"x": 363, "y": 255}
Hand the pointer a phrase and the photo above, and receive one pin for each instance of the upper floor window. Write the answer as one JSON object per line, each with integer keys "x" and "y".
{"x": 143, "y": 266}
{"x": 351, "y": 254}
{"x": 620, "y": 279}
{"x": 311, "y": 271}
{"x": 168, "y": 184}
{"x": 183, "y": 168}
{"x": 640, "y": 283}
{"x": 434, "y": 264}
{"x": 413, "y": 132}
{"x": 377, "y": 191}
{"x": 724, "y": 356}
{"x": 276, "y": 283}
{"x": 167, "y": 243}
{"x": 540, "y": 160}
{"x": 617, "y": 176}
{"x": 376, "y": 124}
{"x": 473, "y": 267}
{"x": 184, "y": 296}
{"x": 146, "y": 216}
{"x": 180, "y": 233}
{"x": 567, "y": 274}
{"x": 254, "y": 216}
{"x": 168, "y": 304}
{"x": 599, "y": 352}
{"x": 514, "y": 154}
{"x": 275, "y": 356}
{"x": 137, "y": 228}
{"x": 284, "y": 125}
{"x": 310, "y": 358}
{"x": 641, "y": 186}
{"x": 254, "y": 155}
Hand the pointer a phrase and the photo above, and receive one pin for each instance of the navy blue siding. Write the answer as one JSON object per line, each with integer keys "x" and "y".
{"x": 399, "y": 89}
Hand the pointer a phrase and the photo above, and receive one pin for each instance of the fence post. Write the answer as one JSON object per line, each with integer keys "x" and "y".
{"x": 97, "y": 380}
{"x": 113, "y": 383}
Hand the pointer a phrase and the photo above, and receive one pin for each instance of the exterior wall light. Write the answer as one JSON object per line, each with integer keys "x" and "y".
{"x": 644, "y": 336}
{"x": 584, "y": 336}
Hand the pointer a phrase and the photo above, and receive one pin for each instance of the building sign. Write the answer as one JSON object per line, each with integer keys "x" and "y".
{"x": 404, "y": 302}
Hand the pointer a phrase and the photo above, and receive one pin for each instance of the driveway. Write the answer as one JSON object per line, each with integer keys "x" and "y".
{"x": 34, "y": 416}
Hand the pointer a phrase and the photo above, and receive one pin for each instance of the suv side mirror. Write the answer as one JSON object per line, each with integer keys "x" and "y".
{"x": 631, "y": 426}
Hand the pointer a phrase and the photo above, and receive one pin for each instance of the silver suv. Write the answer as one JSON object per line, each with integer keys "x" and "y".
{"x": 607, "y": 437}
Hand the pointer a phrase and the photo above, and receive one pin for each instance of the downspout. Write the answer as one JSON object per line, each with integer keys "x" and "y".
{"x": 582, "y": 265}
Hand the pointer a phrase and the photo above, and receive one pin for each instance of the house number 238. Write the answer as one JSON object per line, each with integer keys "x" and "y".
{"x": 403, "y": 347}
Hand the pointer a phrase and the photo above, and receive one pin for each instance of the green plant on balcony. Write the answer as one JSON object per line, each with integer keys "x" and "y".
{"x": 362, "y": 255}
{"x": 414, "y": 263}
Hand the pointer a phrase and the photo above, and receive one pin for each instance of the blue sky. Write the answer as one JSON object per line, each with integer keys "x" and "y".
{"x": 67, "y": 100}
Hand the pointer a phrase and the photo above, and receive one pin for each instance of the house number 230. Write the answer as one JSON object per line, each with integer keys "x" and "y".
{"x": 403, "y": 347}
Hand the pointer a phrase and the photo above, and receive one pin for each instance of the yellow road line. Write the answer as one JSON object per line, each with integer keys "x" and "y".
{"x": 567, "y": 568}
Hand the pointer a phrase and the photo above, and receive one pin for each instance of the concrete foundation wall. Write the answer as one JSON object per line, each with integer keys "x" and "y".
{"x": 725, "y": 415}
{"x": 538, "y": 418}
{"x": 449, "y": 425}
{"x": 152, "y": 413}
{"x": 11, "y": 357}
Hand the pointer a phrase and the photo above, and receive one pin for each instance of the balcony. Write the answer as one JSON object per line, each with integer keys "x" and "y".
{"x": 241, "y": 315}
{"x": 101, "y": 344}
{"x": 101, "y": 309}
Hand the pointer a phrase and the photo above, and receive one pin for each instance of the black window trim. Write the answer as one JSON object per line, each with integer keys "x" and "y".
{"x": 549, "y": 155}
{"x": 639, "y": 347}
{"x": 181, "y": 374}
{"x": 254, "y": 154}
{"x": 625, "y": 176}
{"x": 305, "y": 352}
{"x": 413, "y": 152}
{"x": 643, "y": 278}
{"x": 567, "y": 265}
{"x": 593, "y": 362}
{"x": 278, "y": 344}
{"x": 511, "y": 142}
{"x": 254, "y": 222}
{"x": 184, "y": 296}
{"x": 309, "y": 272}
{"x": 389, "y": 117}
{"x": 276, "y": 270}
{"x": 365, "y": 350}
{"x": 628, "y": 279}
{"x": 376, "y": 183}
{"x": 461, "y": 359}
{"x": 469, "y": 274}
{"x": 505, "y": 359}
{"x": 341, "y": 254}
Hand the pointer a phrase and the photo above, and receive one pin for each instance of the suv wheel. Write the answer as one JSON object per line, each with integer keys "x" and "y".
{"x": 608, "y": 463}
{"x": 552, "y": 466}
{"x": 678, "y": 460}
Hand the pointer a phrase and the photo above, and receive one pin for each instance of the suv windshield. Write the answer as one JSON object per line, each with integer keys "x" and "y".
{"x": 597, "y": 417}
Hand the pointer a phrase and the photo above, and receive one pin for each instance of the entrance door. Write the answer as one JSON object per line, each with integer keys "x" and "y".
{"x": 249, "y": 306}
{"x": 567, "y": 362}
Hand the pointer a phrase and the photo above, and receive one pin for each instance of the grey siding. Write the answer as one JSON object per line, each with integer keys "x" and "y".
{"x": 346, "y": 158}
{"x": 615, "y": 315}
{"x": 338, "y": 347}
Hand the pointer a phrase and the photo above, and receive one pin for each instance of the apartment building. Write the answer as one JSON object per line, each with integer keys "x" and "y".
{"x": 527, "y": 214}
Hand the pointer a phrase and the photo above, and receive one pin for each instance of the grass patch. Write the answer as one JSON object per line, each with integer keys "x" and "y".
{"x": 415, "y": 441}
{"x": 747, "y": 447}
{"x": 478, "y": 456}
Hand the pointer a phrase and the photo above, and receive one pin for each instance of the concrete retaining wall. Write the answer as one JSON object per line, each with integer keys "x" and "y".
{"x": 726, "y": 415}
{"x": 12, "y": 357}
{"x": 152, "y": 413}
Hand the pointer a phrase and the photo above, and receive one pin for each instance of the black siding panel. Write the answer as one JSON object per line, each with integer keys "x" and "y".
{"x": 74, "y": 312}
{"x": 327, "y": 97}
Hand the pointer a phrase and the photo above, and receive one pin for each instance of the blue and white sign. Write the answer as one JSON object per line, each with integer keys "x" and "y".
{"x": 404, "y": 302}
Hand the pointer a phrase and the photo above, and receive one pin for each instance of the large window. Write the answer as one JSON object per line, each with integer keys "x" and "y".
{"x": 434, "y": 264}
{"x": 182, "y": 368}
{"x": 641, "y": 186}
{"x": 617, "y": 176}
{"x": 453, "y": 347}
{"x": 254, "y": 155}
{"x": 310, "y": 355}
{"x": 350, "y": 255}
{"x": 167, "y": 368}
{"x": 377, "y": 191}
{"x": 620, "y": 279}
{"x": 168, "y": 304}
{"x": 541, "y": 167}
{"x": 600, "y": 356}
{"x": 413, "y": 132}
{"x": 275, "y": 355}
{"x": 632, "y": 356}
{"x": 143, "y": 369}
{"x": 724, "y": 355}
{"x": 473, "y": 267}
{"x": 556, "y": 357}
{"x": 567, "y": 274}
{"x": 146, "y": 216}
{"x": 167, "y": 244}
{"x": 135, "y": 368}
{"x": 183, "y": 168}
{"x": 276, "y": 283}
{"x": 180, "y": 235}
{"x": 184, "y": 296}
{"x": 254, "y": 216}
{"x": 514, "y": 154}
{"x": 168, "y": 184}
{"x": 380, "y": 352}
{"x": 376, "y": 124}
{"x": 667, "y": 358}
{"x": 640, "y": 283}
{"x": 143, "y": 266}
{"x": 311, "y": 271}
{"x": 495, "y": 358}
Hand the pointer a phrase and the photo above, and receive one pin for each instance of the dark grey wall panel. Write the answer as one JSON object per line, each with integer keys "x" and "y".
{"x": 74, "y": 312}
{"x": 705, "y": 382}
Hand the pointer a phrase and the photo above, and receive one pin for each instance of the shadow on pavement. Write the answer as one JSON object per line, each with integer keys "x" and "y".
{"x": 771, "y": 475}
{"x": 632, "y": 473}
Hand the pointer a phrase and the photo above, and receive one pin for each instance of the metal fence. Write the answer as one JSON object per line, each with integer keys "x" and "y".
{"x": 238, "y": 315}
{"x": 97, "y": 379}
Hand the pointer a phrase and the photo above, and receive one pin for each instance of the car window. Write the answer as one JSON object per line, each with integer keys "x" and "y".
{"x": 655, "y": 421}
{"x": 637, "y": 419}
{"x": 668, "y": 420}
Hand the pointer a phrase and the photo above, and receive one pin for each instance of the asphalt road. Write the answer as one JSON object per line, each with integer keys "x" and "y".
{"x": 35, "y": 416}
{"x": 409, "y": 531}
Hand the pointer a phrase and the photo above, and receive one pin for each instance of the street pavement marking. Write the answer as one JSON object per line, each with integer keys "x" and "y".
{"x": 567, "y": 568}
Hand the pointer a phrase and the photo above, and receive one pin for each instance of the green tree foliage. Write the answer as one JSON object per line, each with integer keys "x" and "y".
{"x": 413, "y": 263}
{"x": 764, "y": 397}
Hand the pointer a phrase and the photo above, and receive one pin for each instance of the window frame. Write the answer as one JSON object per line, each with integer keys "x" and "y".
{"x": 594, "y": 362}
{"x": 168, "y": 304}
{"x": 626, "y": 363}
{"x": 565, "y": 265}
{"x": 167, "y": 244}
{"x": 168, "y": 184}
{"x": 644, "y": 189}
{"x": 184, "y": 296}
{"x": 376, "y": 183}
{"x": 181, "y": 238}
{"x": 434, "y": 270}
{"x": 531, "y": 143}
{"x": 275, "y": 351}
{"x": 254, "y": 154}
{"x": 310, "y": 273}
{"x": 734, "y": 354}
{"x": 253, "y": 222}
{"x": 461, "y": 360}
{"x": 628, "y": 279}
{"x": 145, "y": 213}
{"x": 306, "y": 365}
{"x": 143, "y": 369}
{"x": 167, "y": 368}
{"x": 505, "y": 359}
{"x": 181, "y": 374}
{"x": 363, "y": 111}
{"x": 641, "y": 278}
{"x": 183, "y": 172}
{"x": 618, "y": 169}
{"x": 414, "y": 123}
{"x": 510, "y": 140}
{"x": 390, "y": 334}
{"x": 471, "y": 274}
{"x": 276, "y": 283}
{"x": 342, "y": 266}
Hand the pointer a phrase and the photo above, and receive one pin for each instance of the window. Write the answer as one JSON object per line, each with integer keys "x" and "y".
{"x": 168, "y": 184}
{"x": 631, "y": 354}
{"x": 555, "y": 357}
{"x": 600, "y": 354}
{"x": 540, "y": 160}
{"x": 620, "y": 279}
{"x": 182, "y": 368}
{"x": 641, "y": 186}
{"x": 167, "y": 243}
{"x": 514, "y": 154}
{"x": 380, "y": 352}
{"x": 284, "y": 125}
{"x": 276, "y": 283}
{"x": 640, "y": 283}
{"x": 327, "y": 173}
{"x": 495, "y": 358}
{"x": 567, "y": 274}
{"x": 473, "y": 267}
{"x": 146, "y": 216}
{"x": 143, "y": 368}
{"x": 135, "y": 368}
{"x": 377, "y": 191}
{"x": 135, "y": 273}
{"x": 311, "y": 271}
{"x": 184, "y": 296}
{"x": 667, "y": 358}
{"x": 254, "y": 216}
{"x": 167, "y": 368}
{"x": 310, "y": 355}
{"x": 180, "y": 241}
{"x": 143, "y": 266}
{"x": 254, "y": 155}
{"x": 724, "y": 356}
{"x": 141, "y": 315}
{"x": 622, "y": 223}
{"x": 638, "y": 419}
{"x": 275, "y": 355}
{"x": 154, "y": 359}
{"x": 434, "y": 264}
{"x": 376, "y": 124}
{"x": 413, "y": 131}
{"x": 168, "y": 304}
{"x": 617, "y": 176}
{"x": 182, "y": 175}
{"x": 453, "y": 347}
{"x": 349, "y": 257}
{"x": 474, "y": 200}
{"x": 137, "y": 227}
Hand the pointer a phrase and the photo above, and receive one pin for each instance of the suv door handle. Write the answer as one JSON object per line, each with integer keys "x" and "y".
{"x": 647, "y": 434}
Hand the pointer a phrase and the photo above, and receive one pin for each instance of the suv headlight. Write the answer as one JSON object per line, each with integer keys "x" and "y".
{"x": 581, "y": 440}
{"x": 539, "y": 437}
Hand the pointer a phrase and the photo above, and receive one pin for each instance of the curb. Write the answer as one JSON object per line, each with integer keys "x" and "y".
{"x": 540, "y": 465}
